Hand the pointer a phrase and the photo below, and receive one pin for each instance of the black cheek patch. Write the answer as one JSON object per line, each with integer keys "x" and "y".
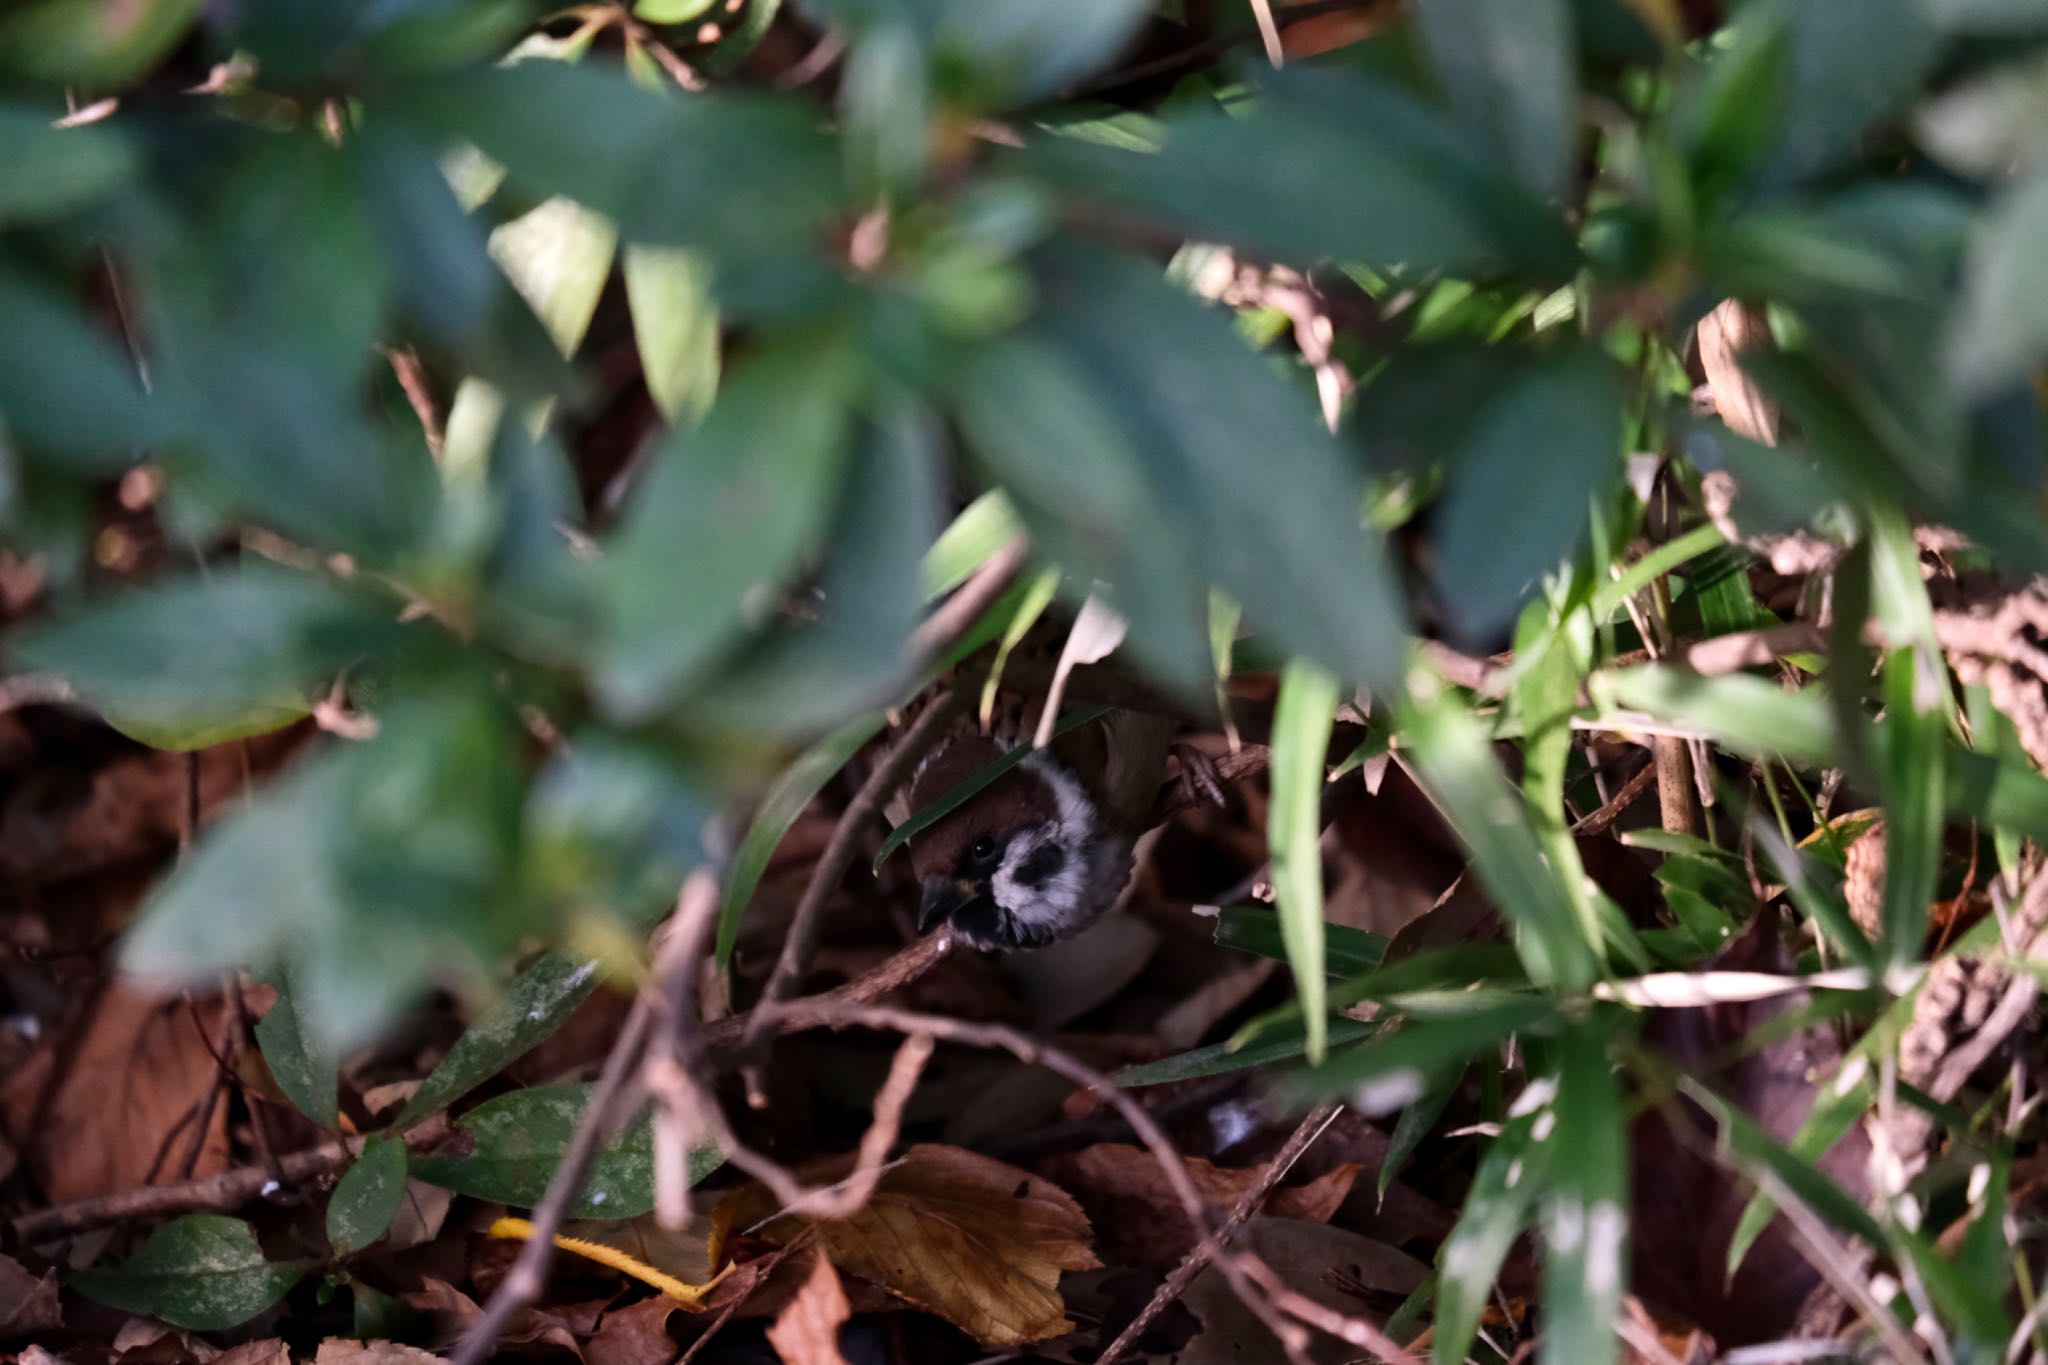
{"x": 1040, "y": 866}
{"x": 981, "y": 921}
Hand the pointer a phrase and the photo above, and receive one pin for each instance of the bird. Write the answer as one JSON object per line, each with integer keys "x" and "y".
{"x": 1042, "y": 852}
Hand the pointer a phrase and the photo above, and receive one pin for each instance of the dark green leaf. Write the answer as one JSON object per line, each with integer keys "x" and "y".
{"x": 1510, "y": 67}
{"x": 730, "y": 511}
{"x": 368, "y": 1196}
{"x": 519, "y": 1141}
{"x": 1991, "y": 17}
{"x": 207, "y": 658}
{"x": 778, "y": 810}
{"x": 1281, "y": 1045}
{"x": 1398, "y": 1066}
{"x": 203, "y": 1272}
{"x": 51, "y": 171}
{"x": 78, "y": 42}
{"x": 1502, "y": 1197}
{"x": 1019, "y": 52}
{"x": 305, "y": 1071}
{"x": 1256, "y": 929}
{"x": 65, "y": 388}
{"x": 537, "y": 1003}
{"x": 1849, "y": 67}
{"x": 1519, "y": 488}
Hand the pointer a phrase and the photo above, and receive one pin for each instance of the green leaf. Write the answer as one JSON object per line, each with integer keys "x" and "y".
{"x": 1019, "y": 52}
{"x": 1256, "y": 929}
{"x": 1281, "y": 534}
{"x": 304, "y": 1070}
{"x": 1510, "y": 69}
{"x": 1915, "y": 685}
{"x": 1038, "y": 595}
{"x": 1499, "y": 1204}
{"x": 675, "y": 325}
{"x": 779, "y": 809}
{"x": 670, "y": 11}
{"x": 1280, "y": 1045}
{"x": 368, "y": 1196}
{"x": 51, "y": 171}
{"x": 984, "y": 526}
{"x": 1398, "y": 1066}
{"x": 1371, "y": 176}
{"x": 1517, "y": 496}
{"x": 1457, "y": 765}
{"x": 1294, "y": 833}
{"x": 202, "y": 1272}
{"x": 558, "y": 256}
{"x": 1585, "y": 1211}
{"x": 190, "y": 661}
{"x": 2000, "y": 331}
{"x": 81, "y": 42}
{"x": 539, "y": 1000}
{"x": 519, "y": 1140}
{"x": 1752, "y": 716}
{"x": 951, "y": 800}
{"x": 729, "y": 511}
{"x": 1849, "y": 68}
{"x": 65, "y": 388}
{"x": 1418, "y": 1120}
{"x": 1990, "y": 17}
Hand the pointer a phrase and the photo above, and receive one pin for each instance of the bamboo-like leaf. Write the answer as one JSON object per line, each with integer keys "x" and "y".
{"x": 1294, "y": 834}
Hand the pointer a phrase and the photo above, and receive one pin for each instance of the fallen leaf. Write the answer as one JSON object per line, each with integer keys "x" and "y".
{"x": 1338, "y": 1269}
{"x": 144, "y": 1057}
{"x": 807, "y": 1332}
{"x": 271, "y": 1352}
{"x": 420, "y": 1215}
{"x": 1143, "y": 1223}
{"x": 636, "y": 1334}
{"x": 27, "y": 1303}
{"x": 978, "y": 1242}
{"x": 453, "y": 1312}
{"x": 645, "y": 1252}
{"x": 339, "y": 1351}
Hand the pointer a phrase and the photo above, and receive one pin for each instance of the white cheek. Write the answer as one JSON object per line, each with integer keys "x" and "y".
{"x": 1060, "y": 892}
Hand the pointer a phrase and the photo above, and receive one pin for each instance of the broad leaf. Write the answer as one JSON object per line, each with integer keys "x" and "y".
{"x": 368, "y": 1196}
{"x": 537, "y": 1003}
{"x": 202, "y": 1271}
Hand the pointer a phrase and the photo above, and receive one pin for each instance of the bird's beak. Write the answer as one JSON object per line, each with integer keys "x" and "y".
{"x": 943, "y": 898}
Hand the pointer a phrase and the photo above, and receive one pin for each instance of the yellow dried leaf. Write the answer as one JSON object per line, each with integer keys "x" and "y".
{"x": 637, "y": 1247}
{"x": 978, "y": 1242}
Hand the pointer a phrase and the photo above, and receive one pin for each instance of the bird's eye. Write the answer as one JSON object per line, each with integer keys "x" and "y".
{"x": 984, "y": 849}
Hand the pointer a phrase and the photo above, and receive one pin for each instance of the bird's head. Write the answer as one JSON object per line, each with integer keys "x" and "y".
{"x": 1024, "y": 862}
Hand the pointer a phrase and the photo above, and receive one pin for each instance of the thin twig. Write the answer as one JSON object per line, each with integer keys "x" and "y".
{"x": 412, "y": 378}
{"x": 1598, "y": 821}
{"x": 522, "y": 1284}
{"x": 1345, "y": 1327}
{"x": 1184, "y": 1274}
{"x": 844, "y": 846}
{"x": 958, "y": 613}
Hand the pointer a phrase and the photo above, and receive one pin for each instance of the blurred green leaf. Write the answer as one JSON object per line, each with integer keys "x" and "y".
{"x": 1848, "y": 68}
{"x": 519, "y": 1141}
{"x": 306, "y": 1071}
{"x": 1915, "y": 686}
{"x": 558, "y": 256}
{"x": 1517, "y": 494}
{"x": 1256, "y": 929}
{"x": 1991, "y": 17}
{"x": 779, "y": 809}
{"x": 670, "y": 11}
{"x": 368, "y": 1196}
{"x": 1294, "y": 834}
{"x": 88, "y": 43}
{"x": 1585, "y": 1208}
{"x": 984, "y": 526}
{"x": 1752, "y": 716}
{"x": 1019, "y": 52}
{"x": 202, "y": 1272}
{"x": 64, "y": 386}
{"x": 209, "y": 657}
{"x": 1999, "y": 334}
{"x": 1510, "y": 67}
{"x": 1458, "y": 769}
{"x": 729, "y": 511}
{"x": 676, "y": 327}
{"x": 51, "y": 171}
{"x": 1499, "y": 1204}
{"x": 1397, "y": 1066}
{"x": 533, "y": 1006}
{"x": 1369, "y": 175}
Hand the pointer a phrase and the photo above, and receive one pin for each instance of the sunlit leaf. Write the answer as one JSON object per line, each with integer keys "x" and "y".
{"x": 1294, "y": 832}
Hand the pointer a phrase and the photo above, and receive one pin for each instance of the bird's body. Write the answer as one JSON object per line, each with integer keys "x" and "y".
{"x": 1042, "y": 852}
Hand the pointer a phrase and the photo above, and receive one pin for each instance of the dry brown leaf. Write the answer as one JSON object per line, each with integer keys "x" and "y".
{"x": 271, "y": 1352}
{"x": 1336, "y": 1268}
{"x": 453, "y": 1312}
{"x": 1143, "y": 1223}
{"x": 978, "y": 1242}
{"x": 27, "y": 1304}
{"x": 336, "y": 1351}
{"x": 636, "y": 1334}
{"x": 807, "y": 1332}
{"x": 142, "y": 1057}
